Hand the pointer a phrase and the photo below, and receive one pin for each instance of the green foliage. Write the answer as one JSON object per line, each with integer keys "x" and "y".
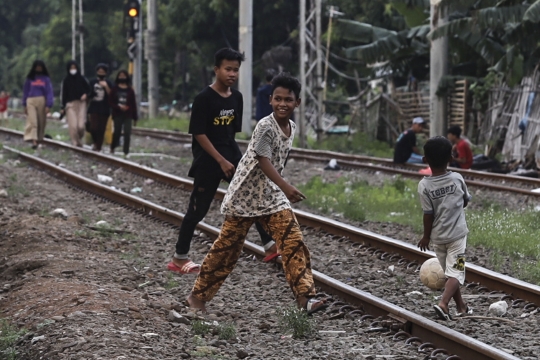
{"x": 481, "y": 90}
{"x": 200, "y": 327}
{"x": 8, "y": 338}
{"x": 296, "y": 322}
{"x": 395, "y": 201}
{"x": 357, "y": 143}
{"x": 227, "y": 331}
{"x": 181, "y": 124}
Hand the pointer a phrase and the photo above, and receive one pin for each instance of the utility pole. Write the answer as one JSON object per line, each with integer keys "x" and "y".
{"x": 152, "y": 56}
{"x": 137, "y": 79}
{"x": 310, "y": 68}
{"x": 333, "y": 11}
{"x": 438, "y": 68}
{"x": 73, "y": 28}
{"x": 81, "y": 37}
{"x": 245, "y": 32}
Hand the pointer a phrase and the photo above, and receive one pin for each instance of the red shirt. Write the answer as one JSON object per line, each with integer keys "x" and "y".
{"x": 464, "y": 152}
{"x": 3, "y": 103}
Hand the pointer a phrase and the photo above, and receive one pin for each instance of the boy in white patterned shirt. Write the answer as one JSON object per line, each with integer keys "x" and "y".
{"x": 258, "y": 192}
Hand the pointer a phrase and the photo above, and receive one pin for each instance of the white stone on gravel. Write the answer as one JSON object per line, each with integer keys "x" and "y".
{"x": 3, "y": 193}
{"x": 136, "y": 190}
{"x": 60, "y": 213}
{"x": 104, "y": 179}
{"x": 102, "y": 223}
{"x": 177, "y": 318}
{"x": 499, "y": 308}
{"x": 37, "y": 338}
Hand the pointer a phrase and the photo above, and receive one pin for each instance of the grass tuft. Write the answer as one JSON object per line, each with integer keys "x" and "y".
{"x": 227, "y": 331}
{"x": 199, "y": 327}
{"x": 8, "y": 338}
{"x": 296, "y": 322}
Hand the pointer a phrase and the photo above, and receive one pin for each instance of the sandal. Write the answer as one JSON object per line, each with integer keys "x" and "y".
{"x": 441, "y": 314}
{"x": 468, "y": 311}
{"x": 271, "y": 257}
{"x": 188, "y": 268}
{"x": 311, "y": 308}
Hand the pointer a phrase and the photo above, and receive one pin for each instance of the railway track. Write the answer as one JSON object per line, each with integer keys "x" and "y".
{"x": 493, "y": 181}
{"x": 431, "y": 338}
{"x": 381, "y": 246}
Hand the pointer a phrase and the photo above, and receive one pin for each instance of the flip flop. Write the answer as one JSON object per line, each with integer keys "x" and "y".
{"x": 441, "y": 314}
{"x": 309, "y": 306}
{"x": 271, "y": 257}
{"x": 189, "y": 268}
{"x": 468, "y": 311}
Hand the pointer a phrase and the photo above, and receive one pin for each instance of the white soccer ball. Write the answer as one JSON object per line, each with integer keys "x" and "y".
{"x": 432, "y": 274}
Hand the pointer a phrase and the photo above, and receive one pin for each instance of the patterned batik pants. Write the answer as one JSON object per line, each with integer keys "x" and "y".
{"x": 223, "y": 256}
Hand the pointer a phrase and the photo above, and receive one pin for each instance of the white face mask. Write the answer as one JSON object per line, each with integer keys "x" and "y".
{"x": 73, "y": 71}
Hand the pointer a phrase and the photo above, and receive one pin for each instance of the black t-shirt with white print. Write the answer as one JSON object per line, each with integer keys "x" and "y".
{"x": 99, "y": 99}
{"x": 218, "y": 118}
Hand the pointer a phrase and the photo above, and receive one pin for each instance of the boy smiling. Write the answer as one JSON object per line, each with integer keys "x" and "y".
{"x": 258, "y": 192}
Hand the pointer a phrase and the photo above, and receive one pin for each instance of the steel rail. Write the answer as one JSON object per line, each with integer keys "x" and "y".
{"x": 416, "y": 325}
{"x": 475, "y": 274}
{"x": 348, "y": 159}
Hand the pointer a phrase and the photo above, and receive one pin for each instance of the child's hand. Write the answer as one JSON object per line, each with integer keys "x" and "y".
{"x": 227, "y": 168}
{"x": 423, "y": 244}
{"x": 293, "y": 194}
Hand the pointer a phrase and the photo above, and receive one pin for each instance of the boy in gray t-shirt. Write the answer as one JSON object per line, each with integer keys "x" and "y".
{"x": 443, "y": 196}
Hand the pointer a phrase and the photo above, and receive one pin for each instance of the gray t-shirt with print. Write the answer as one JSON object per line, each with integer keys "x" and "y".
{"x": 444, "y": 196}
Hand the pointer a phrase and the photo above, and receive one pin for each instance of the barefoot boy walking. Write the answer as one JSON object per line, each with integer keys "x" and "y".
{"x": 258, "y": 192}
{"x": 443, "y": 196}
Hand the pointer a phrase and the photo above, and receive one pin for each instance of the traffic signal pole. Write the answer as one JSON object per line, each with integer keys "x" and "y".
{"x": 245, "y": 83}
{"x": 134, "y": 38}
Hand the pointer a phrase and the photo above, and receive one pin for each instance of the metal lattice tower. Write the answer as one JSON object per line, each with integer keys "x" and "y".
{"x": 311, "y": 69}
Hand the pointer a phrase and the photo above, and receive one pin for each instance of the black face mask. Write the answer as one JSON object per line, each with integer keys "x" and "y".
{"x": 122, "y": 81}
{"x": 101, "y": 77}
{"x": 38, "y": 72}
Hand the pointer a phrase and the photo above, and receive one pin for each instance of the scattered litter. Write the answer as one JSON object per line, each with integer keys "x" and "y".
{"x": 536, "y": 190}
{"x": 104, "y": 178}
{"x": 62, "y": 165}
{"x": 187, "y": 146}
{"x": 3, "y": 193}
{"x": 537, "y": 208}
{"x": 59, "y": 213}
{"x": 37, "y": 338}
{"x": 155, "y": 155}
{"x": 136, "y": 190}
{"x": 145, "y": 284}
{"x": 102, "y": 223}
{"x": 150, "y": 334}
{"x": 148, "y": 182}
{"x": 332, "y": 165}
{"x": 396, "y": 214}
{"x": 414, "y": 293}
{"x": 56, "y": 115}
{"x": 93, "y": 167}
{"x": 332, "y": 331}
{"x": 391, "y": 268}
{"x": 499, "y": 308}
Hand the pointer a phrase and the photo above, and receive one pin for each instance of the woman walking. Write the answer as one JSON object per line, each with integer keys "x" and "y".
{"x": 99, "y": 109}
{"x": 75, "y": 90}
{"x": 124, "y": 110}
{"x": 38, "y": 98}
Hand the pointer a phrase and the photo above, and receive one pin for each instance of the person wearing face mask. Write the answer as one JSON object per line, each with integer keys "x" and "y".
{"x": 37, "y": 99}
{"x": 124, "y": 110}
{"x": 99, "y": 109}
{"x": 75, "y": 90}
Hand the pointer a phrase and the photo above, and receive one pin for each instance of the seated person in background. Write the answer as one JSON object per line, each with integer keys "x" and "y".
{"x": 406, "y": 150}
{"x": 462, "y": 156}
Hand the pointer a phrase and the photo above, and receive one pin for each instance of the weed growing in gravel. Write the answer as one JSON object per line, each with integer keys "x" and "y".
{"x": 199, "y": 327}
{"x": 395, "y": 201}
{"x": 45, "y": 323}
{"x": 8, "y": 337}
{"x": 358, "y": 143}
{"x": 296, "y": 322}
{"x": 227, "y": 331}
{"x": 14, "y": 189}
{"x": 181, "y": 124}
{"x": 171, "y": 282}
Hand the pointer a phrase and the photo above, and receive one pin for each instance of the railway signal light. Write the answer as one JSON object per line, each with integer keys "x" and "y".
{"x": 133, "y": 8}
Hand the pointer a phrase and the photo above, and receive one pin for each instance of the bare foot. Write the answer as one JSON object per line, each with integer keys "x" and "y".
{"x": 195, "y": 303}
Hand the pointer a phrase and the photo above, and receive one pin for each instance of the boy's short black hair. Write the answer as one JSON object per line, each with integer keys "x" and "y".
{"x": 455, "y": 130}
{"x": 102, "y": 66}
{"x": 287, "y": 81}
{"x": 438, "y": 152}
{"x": 227, "y": 54}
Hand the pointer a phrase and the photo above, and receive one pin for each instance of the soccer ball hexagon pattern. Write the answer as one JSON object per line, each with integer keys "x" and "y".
{"x": 432, "y": 274}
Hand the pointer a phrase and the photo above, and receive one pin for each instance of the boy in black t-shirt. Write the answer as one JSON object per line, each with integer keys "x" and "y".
{"x": 215, "y": 119}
